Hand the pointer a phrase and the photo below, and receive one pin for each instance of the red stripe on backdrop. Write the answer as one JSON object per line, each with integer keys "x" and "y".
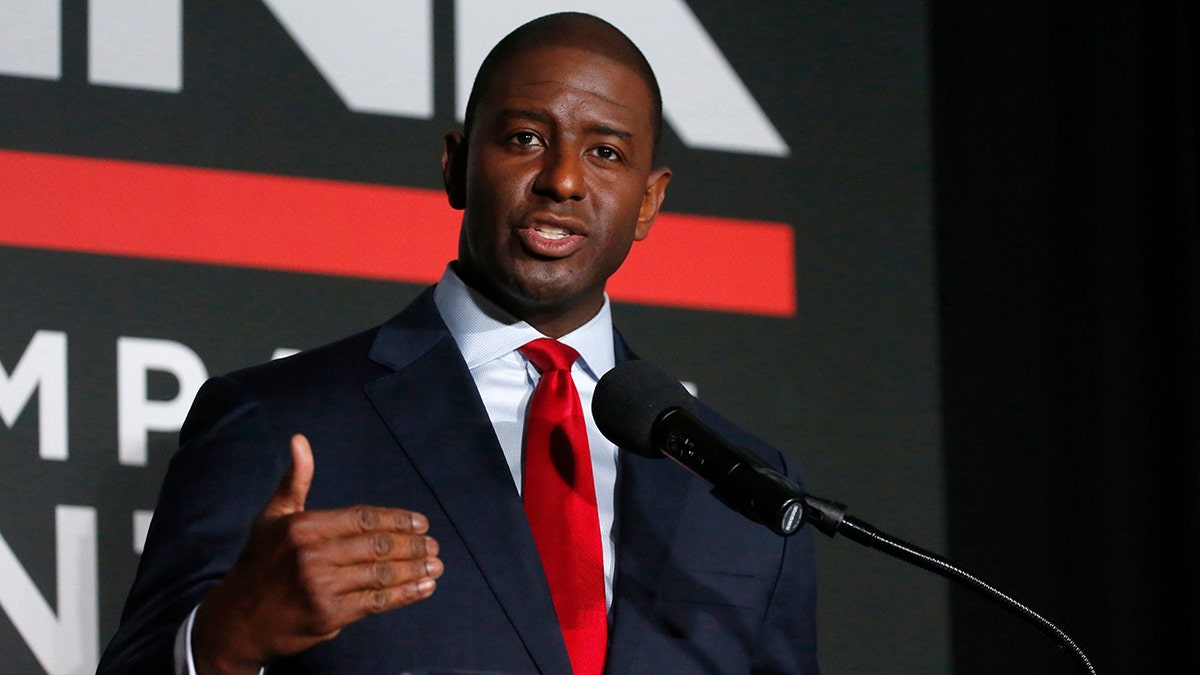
{"x": 353, "y": 229}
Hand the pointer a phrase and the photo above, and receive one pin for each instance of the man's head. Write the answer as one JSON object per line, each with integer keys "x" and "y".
{"x": 567, "y": 29}
{"x": 556, "y": 168}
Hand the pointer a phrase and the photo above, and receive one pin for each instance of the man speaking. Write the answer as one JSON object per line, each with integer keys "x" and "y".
{"x": 432, "y": 495}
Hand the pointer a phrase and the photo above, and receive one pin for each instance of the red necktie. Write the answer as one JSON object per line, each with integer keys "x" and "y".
{"x": 560, "y": 502}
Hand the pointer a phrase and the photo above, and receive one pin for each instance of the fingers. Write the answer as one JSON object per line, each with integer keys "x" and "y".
{"x": 292, "y": 492}
{"x": 333, "y": 612}
{"x": 378, "y": 587}
{"x": 364, "y": 520}
{"x": 381, "y": 600}
{"x": 385, "y": 546}
{"x": 343, "y": 551}
{"x": 346, "y": 579}
{"x": 383, "y": 575}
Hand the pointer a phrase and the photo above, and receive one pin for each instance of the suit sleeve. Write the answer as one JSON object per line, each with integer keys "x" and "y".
{"x": 787, "y": 641}
{"x": 227, "y": 464}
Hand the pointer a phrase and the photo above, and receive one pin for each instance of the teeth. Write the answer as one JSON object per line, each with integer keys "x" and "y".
{"x": 552, "y": 232}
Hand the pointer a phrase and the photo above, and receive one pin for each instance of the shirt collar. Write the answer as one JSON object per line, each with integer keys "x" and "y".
{"x": 485, "y": 332}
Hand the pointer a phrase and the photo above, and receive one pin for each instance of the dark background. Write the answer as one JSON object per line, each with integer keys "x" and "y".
{"x": 994, "y": 352}
{"x": 1069, "y": 277}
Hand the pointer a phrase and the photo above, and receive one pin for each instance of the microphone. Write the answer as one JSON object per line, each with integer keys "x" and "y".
{"x": 642, "y": 409}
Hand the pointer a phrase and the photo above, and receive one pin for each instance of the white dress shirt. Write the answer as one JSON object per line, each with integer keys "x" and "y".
{"x": 489, "y": 338}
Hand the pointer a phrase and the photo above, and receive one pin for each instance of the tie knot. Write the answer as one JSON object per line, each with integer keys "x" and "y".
{"x": 548, "y": 355}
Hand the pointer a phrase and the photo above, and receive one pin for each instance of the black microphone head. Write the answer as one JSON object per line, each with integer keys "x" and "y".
{"x": 630, "y": 398}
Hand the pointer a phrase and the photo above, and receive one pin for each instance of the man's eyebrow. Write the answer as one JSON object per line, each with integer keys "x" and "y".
{"x": 520, "y": 113}
{"x": 545, "y": 118}
{"x": 605, "y": 130}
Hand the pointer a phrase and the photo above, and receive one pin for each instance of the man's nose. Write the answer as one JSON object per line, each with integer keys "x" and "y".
{"x": 561, "y": 176}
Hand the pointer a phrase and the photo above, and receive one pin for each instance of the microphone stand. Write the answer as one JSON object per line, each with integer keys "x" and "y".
{"x": 830, "y": 518}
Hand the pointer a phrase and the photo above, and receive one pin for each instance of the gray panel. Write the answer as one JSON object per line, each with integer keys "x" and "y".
{"x": 848, "y": 387}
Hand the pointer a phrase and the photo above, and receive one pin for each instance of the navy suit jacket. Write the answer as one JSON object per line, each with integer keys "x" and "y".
{"x": 395, "y": 420}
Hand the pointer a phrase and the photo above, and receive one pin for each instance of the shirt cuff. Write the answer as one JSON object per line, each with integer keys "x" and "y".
{"x": 184, "y": 663}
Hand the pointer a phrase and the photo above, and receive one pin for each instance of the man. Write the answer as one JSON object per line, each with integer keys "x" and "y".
{"x": 393, "y": 537}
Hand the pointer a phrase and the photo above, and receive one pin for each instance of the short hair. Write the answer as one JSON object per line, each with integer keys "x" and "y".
{"x": 568, "y": 29}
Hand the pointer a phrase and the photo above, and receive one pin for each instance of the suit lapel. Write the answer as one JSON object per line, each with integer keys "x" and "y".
{"x": 433, "y": 409}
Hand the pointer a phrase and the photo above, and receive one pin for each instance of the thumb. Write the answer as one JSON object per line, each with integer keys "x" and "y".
{"x": 289, "y": 497}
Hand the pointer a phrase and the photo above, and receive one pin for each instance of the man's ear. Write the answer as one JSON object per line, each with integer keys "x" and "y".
{"x": 656, "y": 190}
{"x": 454, "y": 168}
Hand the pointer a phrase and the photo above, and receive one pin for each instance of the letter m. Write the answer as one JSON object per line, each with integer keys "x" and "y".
{"x": 43, "y": 367}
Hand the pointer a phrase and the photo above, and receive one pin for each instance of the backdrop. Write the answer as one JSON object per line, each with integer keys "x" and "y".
{"x": 1068, "y": 238}
{"x": 193, "y": 187}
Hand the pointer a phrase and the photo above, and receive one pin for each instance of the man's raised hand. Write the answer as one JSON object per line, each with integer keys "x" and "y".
{"x": 304, "y": 575}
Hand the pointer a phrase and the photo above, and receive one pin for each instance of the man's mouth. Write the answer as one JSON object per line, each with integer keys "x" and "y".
{"x": 551, "y": 232}
{"x": 547, "y": 239}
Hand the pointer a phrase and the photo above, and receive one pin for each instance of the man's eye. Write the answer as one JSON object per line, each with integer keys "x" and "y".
{"x": 605, "y": 152}
{"x": 526, "y": 138}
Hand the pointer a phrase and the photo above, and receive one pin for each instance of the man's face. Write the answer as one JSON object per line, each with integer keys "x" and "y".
{"x": 558, "y": 183}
